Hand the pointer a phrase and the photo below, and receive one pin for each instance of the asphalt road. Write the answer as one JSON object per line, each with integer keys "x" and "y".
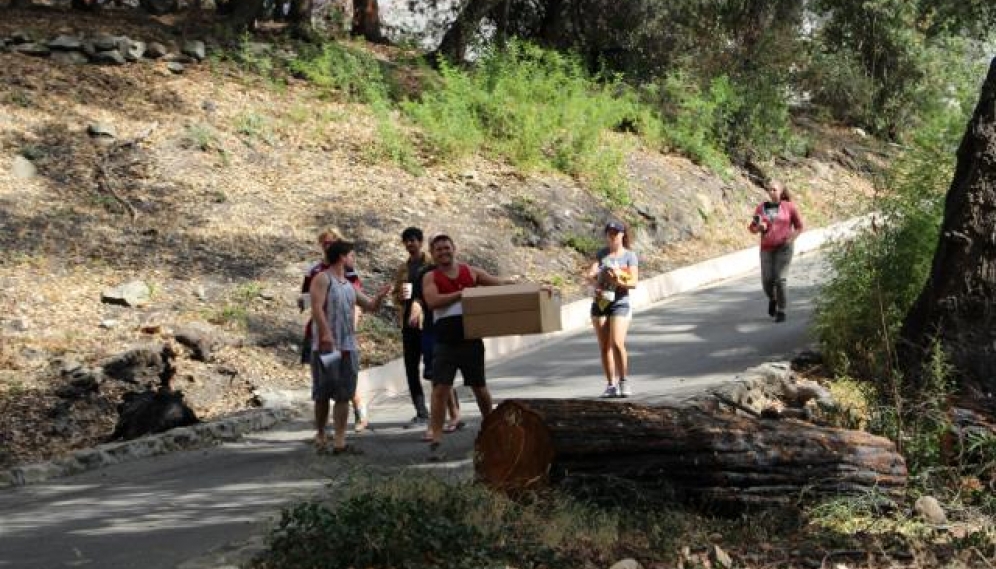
{"x": 159, "y": 512}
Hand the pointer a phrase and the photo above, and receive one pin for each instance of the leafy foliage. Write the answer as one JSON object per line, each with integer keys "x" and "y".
{"x": 878, "y": 274}
{"x": 536, "y": 108}
{"x": 413, "y": 522}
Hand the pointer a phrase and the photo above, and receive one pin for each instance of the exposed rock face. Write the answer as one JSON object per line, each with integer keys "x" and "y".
{"x": 422, "y": 23}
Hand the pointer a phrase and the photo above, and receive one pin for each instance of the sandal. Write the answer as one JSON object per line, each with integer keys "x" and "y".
{"x": 321, "y": 443}
{"x": 348, "y": 449}
{"x": 436, "y": 453}
{"x": 427, "y": 437}
{"x": 361, "y": 426}
{"x": 454, "y": 427}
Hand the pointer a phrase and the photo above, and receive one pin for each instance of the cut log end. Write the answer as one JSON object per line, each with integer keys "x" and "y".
{"x": 514, "y": 450}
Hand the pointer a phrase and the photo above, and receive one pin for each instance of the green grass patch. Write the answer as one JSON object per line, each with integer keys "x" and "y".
{"x": 537, "y": 109}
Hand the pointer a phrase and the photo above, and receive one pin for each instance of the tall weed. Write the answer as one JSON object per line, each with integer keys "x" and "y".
{"x": 696, "y": 120}
{"x": 352, "y": 74}
{"x": 878, "y": 274}
{"x": 536, "y": 108}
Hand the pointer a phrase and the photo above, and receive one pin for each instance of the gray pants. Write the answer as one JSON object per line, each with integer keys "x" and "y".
{"x": 774, "y": 272}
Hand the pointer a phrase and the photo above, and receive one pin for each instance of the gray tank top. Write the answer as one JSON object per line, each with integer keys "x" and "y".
{"x": 339, "y": 305}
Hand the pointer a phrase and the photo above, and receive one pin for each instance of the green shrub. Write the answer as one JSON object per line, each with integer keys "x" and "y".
{"x": 352, "y": 74}
{"x": 535, "y": 108}
{"x": 584, "y": 244}
{"x": 413, "y": 522}
{"x": 695, "y": 120}
{"x": 878, "y": 274}
{"x": 837, "y": 82}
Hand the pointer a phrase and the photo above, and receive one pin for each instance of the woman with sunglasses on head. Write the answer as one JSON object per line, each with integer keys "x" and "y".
{"x": 614, "y": 272}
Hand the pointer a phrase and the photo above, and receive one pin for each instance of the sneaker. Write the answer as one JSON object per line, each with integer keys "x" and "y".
{"x": 624, "y": 390}
{"x": 610, "y": 391}
{"x": 772, "y": 307}
{"x": 780, "y": 317}
{"x": 417, "y": 421}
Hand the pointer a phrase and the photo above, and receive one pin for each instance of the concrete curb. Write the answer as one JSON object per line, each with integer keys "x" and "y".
{"x": 183, "y": 438}
{"x": 388, "y": 380}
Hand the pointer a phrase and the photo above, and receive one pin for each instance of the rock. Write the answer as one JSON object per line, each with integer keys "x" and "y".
{"x": 720, "y": 558}
{"x": 112, "y": 57}
{"x": 155, "y": 50}
{"x": 134, "y": 293}
{"x": 628, "y": 563}
{"x": 175, "y": 67}
{"x": 144, "y": 363}
{"x": 134, "y": 51}
{"x": 200, "y": 338}
{"x": 19, "y": 325}
{"x": 108, "y": 324}
{"x": 152, "y": 412}
{"x": 22, "y": 168}
{"x": 194, "y": 49}
{"x": 158, "y": 7}
{"x": 33, "y": 49}
{"x": 20, "y": 36}
{"x": 89, "y": 48}
{"x": 179, "y": 58}
{"x": 930, "y": 510}
{"x": 66, "y": 43}
{"x": 69, "y": 57}
{"x": 267, "y": 295}
{"x": 105, "y": 43}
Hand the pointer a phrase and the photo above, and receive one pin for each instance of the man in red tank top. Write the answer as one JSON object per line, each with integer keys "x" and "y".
{"x": 442, "y": 289}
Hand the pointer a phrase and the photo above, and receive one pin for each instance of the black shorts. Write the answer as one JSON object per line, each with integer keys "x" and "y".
{"x": 467, "y": 357}
{"x": 615, "y": 309}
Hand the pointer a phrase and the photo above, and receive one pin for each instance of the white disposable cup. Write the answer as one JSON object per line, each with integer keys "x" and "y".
{"x": 609, "y": 295}
{"x": 406, "y": 291}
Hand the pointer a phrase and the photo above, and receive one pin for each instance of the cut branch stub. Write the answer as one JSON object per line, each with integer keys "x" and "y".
{"x": 726, "y": 460}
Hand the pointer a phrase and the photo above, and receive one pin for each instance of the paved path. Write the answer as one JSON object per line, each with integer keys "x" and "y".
{"x": 159, "y": 512}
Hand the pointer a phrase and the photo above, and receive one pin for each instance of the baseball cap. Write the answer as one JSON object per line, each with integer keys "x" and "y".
{"x": 615, "y": 226}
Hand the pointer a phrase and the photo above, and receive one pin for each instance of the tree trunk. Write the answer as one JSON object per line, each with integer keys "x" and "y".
{"x": 366, "y": 20}
{"x": 957, "y": 307}
{"x": 242, "y": 14}
{"x": 721, "y": 460}
{"x": 457, "y": 38}
{"x": 316, "y": 20}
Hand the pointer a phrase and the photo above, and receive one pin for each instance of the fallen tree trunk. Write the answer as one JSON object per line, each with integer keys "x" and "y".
{"x": 720, "y": 459}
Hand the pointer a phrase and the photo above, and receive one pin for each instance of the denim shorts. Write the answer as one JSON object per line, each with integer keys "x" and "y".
{"x": 616, "y": 309}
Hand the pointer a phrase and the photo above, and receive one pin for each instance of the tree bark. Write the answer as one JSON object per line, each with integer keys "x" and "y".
{"x": 721, "y": 460}
{"x": 366, "y": 20}
{"x": 957, "y": 307}
{"x": 456, "y": 40}
{"x": 316, "y": 20}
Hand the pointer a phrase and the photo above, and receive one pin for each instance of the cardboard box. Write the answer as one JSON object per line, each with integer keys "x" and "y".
{"x": 509, "y": 310}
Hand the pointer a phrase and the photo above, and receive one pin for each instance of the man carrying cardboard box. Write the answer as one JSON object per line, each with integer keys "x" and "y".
{"x": 442, "y": 289}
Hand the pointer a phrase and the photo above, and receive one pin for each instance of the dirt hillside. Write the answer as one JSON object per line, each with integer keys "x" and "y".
{"x": 212, "y": 193}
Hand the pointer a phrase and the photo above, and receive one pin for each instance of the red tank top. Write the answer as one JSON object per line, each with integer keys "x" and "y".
{"x": 448, "y": 324}
{"x": 446, "y": 285}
